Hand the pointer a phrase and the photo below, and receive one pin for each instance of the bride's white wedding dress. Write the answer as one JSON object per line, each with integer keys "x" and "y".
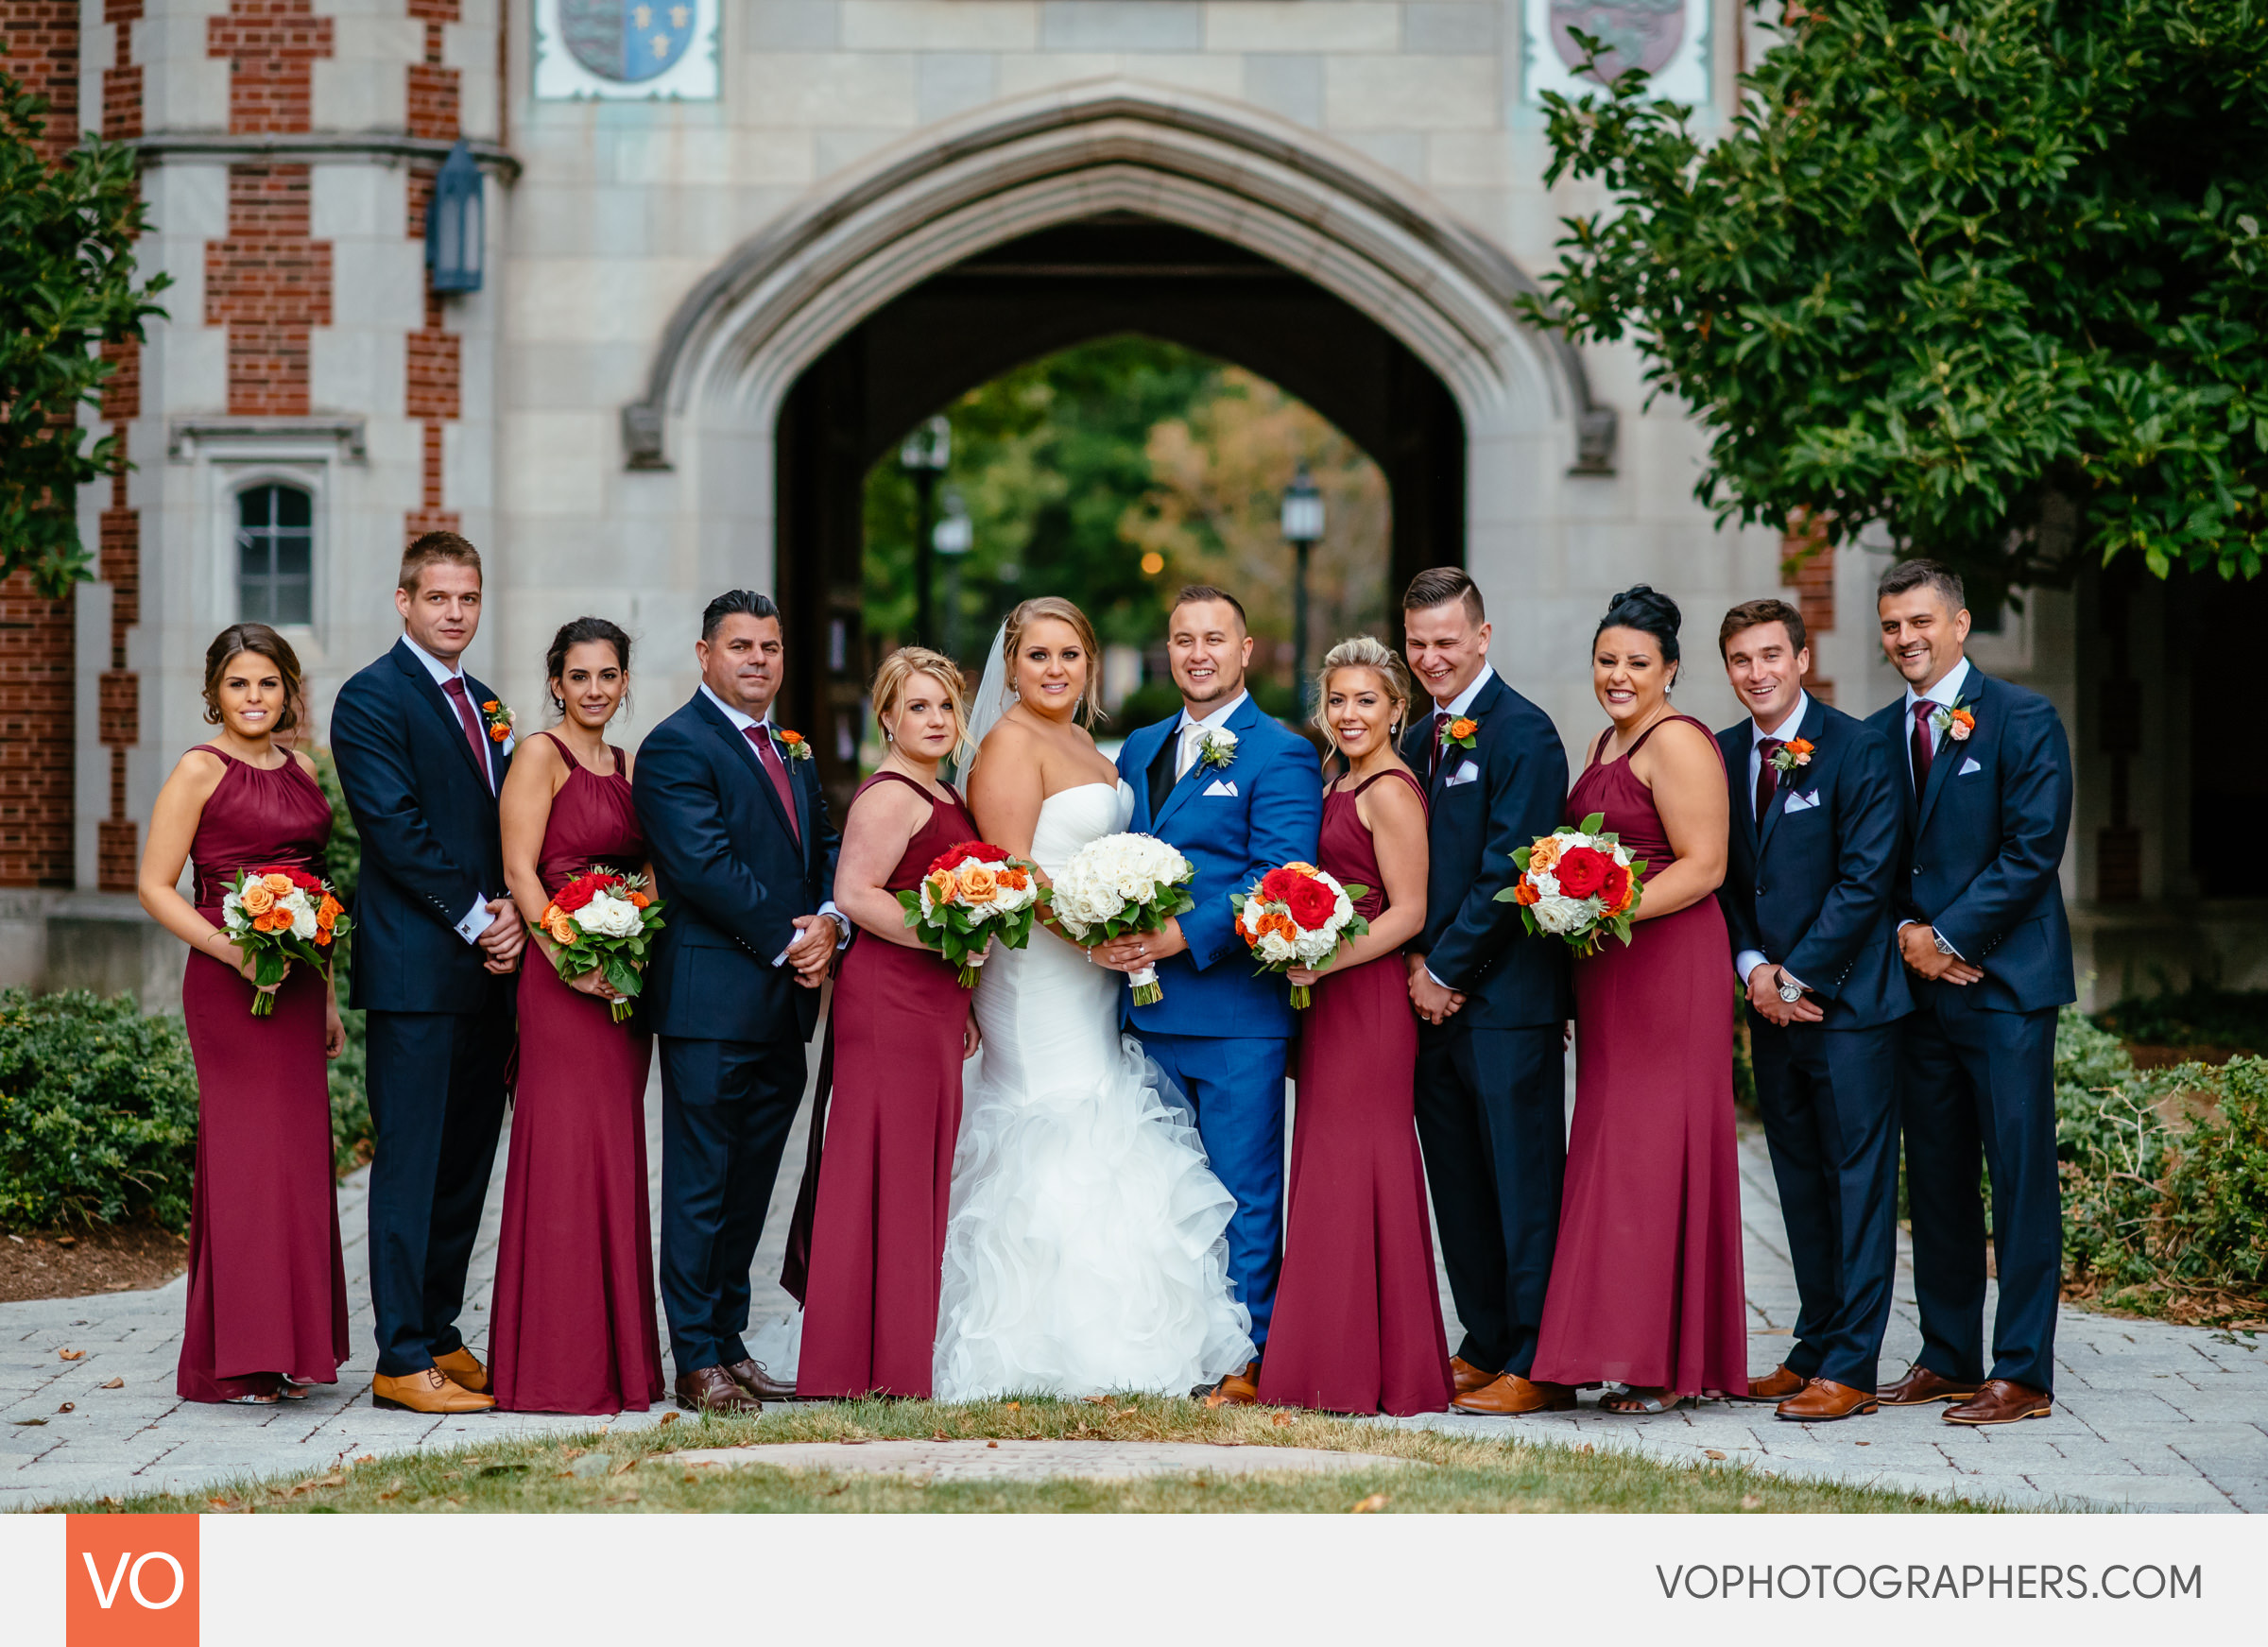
{"x": 1084, "y": 1249}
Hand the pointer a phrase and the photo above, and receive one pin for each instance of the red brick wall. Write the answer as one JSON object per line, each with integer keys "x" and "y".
{"x": 270, "y": 284}
{"x": 271, "y": 46}
{"x": 1807, "y": 564}
{"x": 38, "y": 46}
{"x": 433, "y": 359}
{"x": 122, "y": 83}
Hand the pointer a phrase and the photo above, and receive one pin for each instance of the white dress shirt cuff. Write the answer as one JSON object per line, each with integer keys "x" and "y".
{"x": 1745, "y": 963}
{"x": 1437, "y": 984}
{"x": 477, "y": 921}
{"x": 842, "y": 928}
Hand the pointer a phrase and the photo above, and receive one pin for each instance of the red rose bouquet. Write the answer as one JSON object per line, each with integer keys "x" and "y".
{"x": 971, "y": 894}
{"x": 281, "y": 916}
{"x": 1577, "y": 882}
{"x": 1298, "y": 917}
{"x": 604, "y": 921}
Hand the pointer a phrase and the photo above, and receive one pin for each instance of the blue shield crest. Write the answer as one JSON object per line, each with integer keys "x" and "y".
{"x": 628, "y": 40}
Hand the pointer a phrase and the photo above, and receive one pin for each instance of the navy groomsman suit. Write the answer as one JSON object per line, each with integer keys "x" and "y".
{"x": 440, "y": 1025}
{"x": 1986, "y": 827}
{"x": 1808, "y": 888}
{"x": 736, "y": 869}
{"x": 1491, "y": 1084}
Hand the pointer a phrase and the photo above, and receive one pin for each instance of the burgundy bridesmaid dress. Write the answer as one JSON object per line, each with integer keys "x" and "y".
{"x": 572, "y": 1325}
{"x": 1646, "y": 1286}
{"x": 1358, "y": 1310}
{"x": 267, "y": 1288}
{"x": 886, "y": 1170}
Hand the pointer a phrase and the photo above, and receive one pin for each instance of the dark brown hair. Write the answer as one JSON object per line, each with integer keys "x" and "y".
{"x": 1911, "y": 575}
{"x": 1195, "y": 593}
{"x": 1436, "y": 585}
{"x": 262, "y": 642}
{"x": 431, "y": 548}
{"x": 574, "y": 633}
{"x": 1749, "y": 613}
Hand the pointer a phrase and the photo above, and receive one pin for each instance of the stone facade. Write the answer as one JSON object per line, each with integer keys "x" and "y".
{"x": 602, "y": 416}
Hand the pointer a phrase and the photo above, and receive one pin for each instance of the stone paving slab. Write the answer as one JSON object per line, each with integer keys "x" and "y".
{"x": 2148, "y": 1416}
{"x": 1037, "y": 1460}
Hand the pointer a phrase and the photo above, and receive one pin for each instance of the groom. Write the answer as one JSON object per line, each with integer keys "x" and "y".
{"x": 436, "y": 940}
{"x": 1239, "y": 796}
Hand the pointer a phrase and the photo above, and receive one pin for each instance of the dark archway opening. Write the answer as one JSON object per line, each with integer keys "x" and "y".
{"x": 1046, "y": 291}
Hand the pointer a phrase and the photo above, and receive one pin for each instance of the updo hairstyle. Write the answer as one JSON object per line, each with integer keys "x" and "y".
{"x": 1646, "y": 609}
{"x": 574, "y": 633}
{"x": 1363, "y": 652}
{"x": 262, "y": 642}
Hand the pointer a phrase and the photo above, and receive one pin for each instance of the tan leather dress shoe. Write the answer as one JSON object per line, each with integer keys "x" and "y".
{"x": 1467, "y": 1377}
{"x": 1920, "y": 1386}
{"x": 430, "y": 1391}
{"x": 1511, "y": 1396}
{"x": 1822, "y": 1400}
{"x": 2002, "y": 1402}
{"x": 711, "y": 1389}
{"x": 1239, "y": 1389}
{"x": 464, "y": 1370}
{"x": 752, "y": 1376}
{"x": 1776, "y": 1385}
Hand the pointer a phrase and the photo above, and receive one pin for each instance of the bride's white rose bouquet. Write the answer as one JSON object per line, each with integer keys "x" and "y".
{"x": 1120, "y": 885}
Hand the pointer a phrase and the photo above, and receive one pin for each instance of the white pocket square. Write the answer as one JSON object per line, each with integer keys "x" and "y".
{"x": 1803, "y": 802}
{"x": 1221, "y": 786}
{"x": 1464, "y": 774}
{"x": 1972, "y": 765}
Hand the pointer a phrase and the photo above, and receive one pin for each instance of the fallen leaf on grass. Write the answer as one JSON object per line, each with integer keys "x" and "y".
{"x": 624, "y": 1468}
{"x": 1375, "y": 1502}
{"x": 937, "y": 1435}
{"x": 220, "y": 1503}
{"x": 115, "y": 1384}
{"x": 625, "y": 1498}
{"x": 388, "y": 1498}
{"x": 367, "y": 1458}
{"x": 1281, "y": 1419}
{"x": 670, "y": 1418}
{"x": 113, "y": 1502}
{"x": 67, "y": 1406}
{"x": 1711, "y": 1453}
{"x": 72, "y": 1354}
{"x": 1584, "y": 1448}
{"x": 29, "y": 1423}
{"x": 1750, "y": 1502}
{"x": 1015, "y": 1406}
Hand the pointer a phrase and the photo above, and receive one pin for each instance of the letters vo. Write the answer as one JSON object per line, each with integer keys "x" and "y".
{"x": 131, "y": 1581}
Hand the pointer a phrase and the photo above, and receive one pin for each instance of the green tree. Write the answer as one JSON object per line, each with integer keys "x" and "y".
{"x": 67, "y": 231}
{"x": 1990, "y": 273}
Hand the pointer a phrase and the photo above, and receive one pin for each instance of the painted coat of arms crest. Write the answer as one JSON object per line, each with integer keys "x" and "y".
{"x": 628, "y": 40}
{"x": 1639, "y": 34}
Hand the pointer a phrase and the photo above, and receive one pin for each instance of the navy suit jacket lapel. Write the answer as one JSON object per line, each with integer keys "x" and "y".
{"x": 1188, "y": 783}
{"x": 1943, "y": 757}
{"x": 1453, "y": 757}
{"x": 423, "y": 684}
{"x": 1813, "y": 722}
{"x": 1735, "y": 741}
{"x": 737, "y": 741}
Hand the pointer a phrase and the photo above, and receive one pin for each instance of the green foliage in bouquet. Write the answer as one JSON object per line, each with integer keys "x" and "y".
{"x": 97, "y": 1112}
{"x": 962, "y": 935}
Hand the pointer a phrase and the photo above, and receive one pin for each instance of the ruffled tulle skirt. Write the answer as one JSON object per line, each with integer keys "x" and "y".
{"x": 1084, "y": 1247}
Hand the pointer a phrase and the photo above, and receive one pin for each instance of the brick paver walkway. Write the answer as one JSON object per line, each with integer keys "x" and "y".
{"x": 2147, "y": 1416}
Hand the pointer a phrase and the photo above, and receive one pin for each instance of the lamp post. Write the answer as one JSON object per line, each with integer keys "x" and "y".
{"x": 923, "y": 455}
{"x": 1303, "y": 530}
{"x": 953, "y": 537}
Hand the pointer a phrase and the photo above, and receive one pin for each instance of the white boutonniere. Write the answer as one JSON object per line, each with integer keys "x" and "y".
{"x": 1956, "y": 721}
{"x": 1216, "y": 747}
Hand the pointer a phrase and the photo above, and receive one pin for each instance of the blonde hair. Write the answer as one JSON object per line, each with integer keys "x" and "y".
{"x": 1362, "y": 653}
{"x": 900, "y": 667}
{"x": 1054, "y": 605}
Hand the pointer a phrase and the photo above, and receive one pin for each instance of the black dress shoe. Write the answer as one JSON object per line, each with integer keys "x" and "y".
{"x": 751, "y": 1377}
{"x": 710, "y": 1389}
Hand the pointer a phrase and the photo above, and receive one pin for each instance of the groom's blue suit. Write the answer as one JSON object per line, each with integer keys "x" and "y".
{"x": 1220, "y": 1033}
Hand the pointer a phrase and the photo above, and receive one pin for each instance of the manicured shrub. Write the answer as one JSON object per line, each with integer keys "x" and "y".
{"x": 97, "y": 1112}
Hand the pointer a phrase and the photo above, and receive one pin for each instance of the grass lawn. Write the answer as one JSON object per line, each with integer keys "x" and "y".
{"x": 635, "y": 1472}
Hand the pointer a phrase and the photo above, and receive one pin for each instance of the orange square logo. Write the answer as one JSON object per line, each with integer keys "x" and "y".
{"x": 131, "y": 1581}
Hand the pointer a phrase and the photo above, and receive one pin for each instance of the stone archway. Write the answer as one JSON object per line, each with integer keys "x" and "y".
{"x": 740, "y": 341}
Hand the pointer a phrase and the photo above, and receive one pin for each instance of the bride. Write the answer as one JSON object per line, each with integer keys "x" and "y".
{"x": 1084, "y": 1249}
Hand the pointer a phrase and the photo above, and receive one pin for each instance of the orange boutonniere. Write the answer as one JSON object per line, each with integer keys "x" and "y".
{"x": 797, "y": 745}
{"x": 1459, "y": 733}
{"x": 500, "y": 720}
{"x": 1792, "y": 756}
{"x": 1956, "y": 722}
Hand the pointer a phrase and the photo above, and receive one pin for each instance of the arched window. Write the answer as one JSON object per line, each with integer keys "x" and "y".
{"x": 275, "y": 554}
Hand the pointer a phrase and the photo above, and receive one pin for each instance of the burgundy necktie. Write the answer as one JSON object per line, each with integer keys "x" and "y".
{"x": 1440, "y": 732}
{"x": 454, "y": 687}
{"x": 1767, "y": 775}
{"x": 776, "y": 769}
{"x": 1923, "y": 710}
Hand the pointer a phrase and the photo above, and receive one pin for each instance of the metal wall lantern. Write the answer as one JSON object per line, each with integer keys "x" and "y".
{"x": 455, "y": 223}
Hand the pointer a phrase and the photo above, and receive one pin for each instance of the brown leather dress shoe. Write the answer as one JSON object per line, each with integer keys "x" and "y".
{"x": 1467, "y": 1377}
{"x": 1511, "y": 1396}
{"x": 1823, "y": 1400}
{"x": 431, "y": 1391}
{"x": 2002, "y": 1402}
{"x": 711, "y": 1389}
{"x": 1239, "y": 1389}
{"x": 1920, "y": 1386}
{"x": 1776, "y": 1385}
{"x": 751, "y": 1377}
{"x": 464, "y": 1370}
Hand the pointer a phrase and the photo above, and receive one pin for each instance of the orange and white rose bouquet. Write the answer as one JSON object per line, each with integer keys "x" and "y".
{"x": 972, "y": 895}
{"x": 604, "y": 920}
{"x": 281, "y": 916}
{"x": 1579, "y": 882}
{"x": 1297, "y": 916}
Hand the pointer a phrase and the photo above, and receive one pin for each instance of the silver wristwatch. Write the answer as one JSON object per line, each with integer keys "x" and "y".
{"x": 1789, "y": 991}
{"x": 1943, "y": 947}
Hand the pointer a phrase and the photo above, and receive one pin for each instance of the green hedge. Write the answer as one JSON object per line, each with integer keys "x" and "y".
{"x": 97, "y": 1112}
{"x": 2165, "y": 1177}
{"x": 349, "y": 1100}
